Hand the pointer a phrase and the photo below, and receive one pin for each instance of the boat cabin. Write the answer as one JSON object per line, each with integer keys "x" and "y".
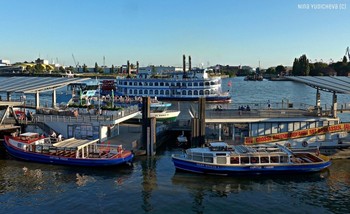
{"x": 222, "y": 153}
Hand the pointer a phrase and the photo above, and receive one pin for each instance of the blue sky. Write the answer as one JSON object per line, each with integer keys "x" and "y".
{"x": 159, "y": 32}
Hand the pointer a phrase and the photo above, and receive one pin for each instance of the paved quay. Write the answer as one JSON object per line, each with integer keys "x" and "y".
{"x": 129, "y": 136}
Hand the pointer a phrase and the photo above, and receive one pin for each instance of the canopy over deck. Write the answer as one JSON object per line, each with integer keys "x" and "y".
{"x": 35, "y": 84}
{"x": 330, "y": 83}
{"x": 75, "y": 143}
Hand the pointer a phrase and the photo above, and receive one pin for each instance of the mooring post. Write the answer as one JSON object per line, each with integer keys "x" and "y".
{"x": 148, "y": 127}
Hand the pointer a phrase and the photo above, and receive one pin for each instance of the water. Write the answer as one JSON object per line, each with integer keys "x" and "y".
{"x": 151, "y": 184}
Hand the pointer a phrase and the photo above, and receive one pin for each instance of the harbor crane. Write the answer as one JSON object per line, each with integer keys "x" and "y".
{"x": 76, "y": 64}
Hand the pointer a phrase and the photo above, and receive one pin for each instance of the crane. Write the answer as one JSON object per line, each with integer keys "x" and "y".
{"x": 76, "y": 64}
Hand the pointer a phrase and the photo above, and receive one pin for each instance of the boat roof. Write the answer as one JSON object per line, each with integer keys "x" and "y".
{"x": 218, "y": 144}
{"x": 74, "y": 143}
{"x": 29, "y": 134}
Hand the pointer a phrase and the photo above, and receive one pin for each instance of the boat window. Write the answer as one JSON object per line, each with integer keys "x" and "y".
{"x": 183, "y": 92}
{"x": 156, "y": 84}
{"x": 151, "y": 91}
{"x": 201, "y": 92}
{"x": 207, "y": 83}
{"x": 206, "y": 92}
{"x": 254, "y": 160}
{"x": 146, "y": 91}
{"x": 135, "y": 83}
{"x": 284, "y": 159}
{"x": 140, "y": 91}
{"x": 156, "y": 92}
{"x": 195, "y": 84}
{"x": 161, "y": 84}
{"x": 151, "y": 84}
{"x": 264, "y": 159}
{"x": 201, "y": 84}
{"x": 234, "y": 160}
{"x": 195, "y": 92}
{"x": 244, "y": 160}
{"x": 125, "y": 83}
{"x": 166, "y": 84}
{"x": 130, "y": 83}
{"x": 184, "y": 84}
{"x": 190, "y": 84}
{"x": 178, "y": 84}
{"x": 274, "y": 159}
{"x": 140, "y": 83}
{"x": 172, "y": 84}
{"x": 208, "y": 159}
{"x": 130, "y": 91}
{"x": 197, "y": 157}
{"x": 221, "y": 160}
{"x": 167, "y": 92}
{"x": 212, "y": 83}
{"x": 162, "y": 92}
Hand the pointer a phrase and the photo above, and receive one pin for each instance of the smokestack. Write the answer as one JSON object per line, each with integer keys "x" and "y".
{"x": 128, "y": 67}
{"x": 137, "y": 67}
{"x": 189, "y": 63}
{"x": 184, "y": 63}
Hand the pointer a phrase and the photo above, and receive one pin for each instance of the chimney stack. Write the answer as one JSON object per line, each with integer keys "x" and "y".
{"x": 184, "y": 63}
{"x": 189, "y": 63}
{"x": 137, "y": 67}
{"x": 128, "y": 67}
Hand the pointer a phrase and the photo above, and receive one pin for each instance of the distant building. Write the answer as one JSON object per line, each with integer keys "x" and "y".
{"x": 42, "y": 61}
{"x": 4, "y": 62}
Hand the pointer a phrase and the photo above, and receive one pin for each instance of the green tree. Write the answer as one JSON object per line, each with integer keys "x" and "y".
{"x": 85, "y": 70}
{"x": 112, "y": 70}
{"x": 301, "y": 66}
{"x": 280, "y": 69}
{"x": 270, "y": 70}
{"x": 345, "y": 60}
{"x": 96, "y": 67}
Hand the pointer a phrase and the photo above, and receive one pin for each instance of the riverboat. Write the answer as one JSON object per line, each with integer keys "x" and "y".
{"x": 32, "y": 147}
{"x": 174, "y": 86}
{"x": 223, "y": 159}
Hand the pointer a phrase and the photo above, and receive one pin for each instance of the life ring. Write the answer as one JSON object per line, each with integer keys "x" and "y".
{"x": 287, "y": 145}
{"x": 304, "y": 144}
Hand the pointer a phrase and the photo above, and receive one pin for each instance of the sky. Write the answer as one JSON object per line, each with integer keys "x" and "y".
{"x": 159, "y": 32}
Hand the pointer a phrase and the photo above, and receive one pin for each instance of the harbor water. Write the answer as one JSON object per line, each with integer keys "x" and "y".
{"x": 151, "y": 184}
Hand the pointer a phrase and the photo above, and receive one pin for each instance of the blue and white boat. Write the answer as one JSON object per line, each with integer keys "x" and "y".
{"x": 32, "y": 147}
{"x": 187, "y": 86}
{"x": 221, "y": 159}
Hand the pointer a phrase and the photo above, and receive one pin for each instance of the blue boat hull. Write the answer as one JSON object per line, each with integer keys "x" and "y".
{"x": 51, "y": 159}
{"x": 203, "y": 168}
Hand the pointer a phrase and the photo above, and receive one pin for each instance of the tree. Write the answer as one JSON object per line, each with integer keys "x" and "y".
{"x": 85, "y": 70}
{"x": 112, "y": 69}
{"x": 301, "y": 66}
{"x": 96, "y": 67}
{"x": 270, "y": 70}
{"x": 345, "y": 60}
{"x": 280, "y": 69}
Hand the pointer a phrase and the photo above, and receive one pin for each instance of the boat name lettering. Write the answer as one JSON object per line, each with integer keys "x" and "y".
{"x": 208, "y": 166}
